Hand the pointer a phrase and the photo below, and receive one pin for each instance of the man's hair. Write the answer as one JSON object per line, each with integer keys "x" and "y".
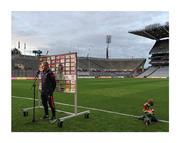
{"x": 45, "y": 63}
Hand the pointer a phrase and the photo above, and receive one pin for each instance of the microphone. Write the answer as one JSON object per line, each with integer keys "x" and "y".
{"x": 38, "y": 72}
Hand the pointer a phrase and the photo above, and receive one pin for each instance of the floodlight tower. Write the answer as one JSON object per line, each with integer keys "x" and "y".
{"x": 108, "y": 40}
{"x": 19, "y": 45}
{"x": 24, "y": 48}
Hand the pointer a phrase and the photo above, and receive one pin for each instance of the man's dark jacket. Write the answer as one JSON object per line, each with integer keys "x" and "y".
{"x": 48, "y": 82}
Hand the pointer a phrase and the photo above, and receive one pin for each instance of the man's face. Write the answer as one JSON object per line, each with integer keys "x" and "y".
{"x": 45, "y": 67}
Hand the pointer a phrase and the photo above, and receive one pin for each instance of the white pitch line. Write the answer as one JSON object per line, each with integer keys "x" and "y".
{"x": 90, "y": 108}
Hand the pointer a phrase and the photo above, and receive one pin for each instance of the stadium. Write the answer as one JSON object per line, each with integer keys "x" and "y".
{"x": 159, "y": 59}
{"x": 113, "y": 89}
{"x": 26, "y": 66}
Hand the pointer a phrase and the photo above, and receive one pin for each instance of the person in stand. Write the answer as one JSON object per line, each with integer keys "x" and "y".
{"x": 48, "y": 84}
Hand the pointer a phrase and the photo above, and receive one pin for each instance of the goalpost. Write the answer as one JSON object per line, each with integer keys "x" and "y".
{"x": 64, "y": 67}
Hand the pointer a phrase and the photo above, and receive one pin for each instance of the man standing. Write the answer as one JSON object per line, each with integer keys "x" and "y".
{"x": 48, "y": 84}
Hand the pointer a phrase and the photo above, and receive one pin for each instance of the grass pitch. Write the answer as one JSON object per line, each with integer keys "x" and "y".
{"x": 117, "y": 95}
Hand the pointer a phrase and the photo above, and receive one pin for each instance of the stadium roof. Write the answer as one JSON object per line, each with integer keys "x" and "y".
{"x": 154, "y": 31}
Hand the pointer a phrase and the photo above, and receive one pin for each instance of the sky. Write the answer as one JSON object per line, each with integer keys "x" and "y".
{"x": 84, "y": 32}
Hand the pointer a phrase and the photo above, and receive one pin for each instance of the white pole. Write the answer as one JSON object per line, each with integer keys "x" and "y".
{"x": 75, "y": 102}
{"x": 75, "y": 94}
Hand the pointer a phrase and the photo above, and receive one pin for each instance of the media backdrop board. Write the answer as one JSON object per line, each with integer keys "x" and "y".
{"x": 64, "y": 66}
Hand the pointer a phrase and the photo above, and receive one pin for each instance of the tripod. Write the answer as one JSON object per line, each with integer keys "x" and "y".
{"x": 34, "y": 93}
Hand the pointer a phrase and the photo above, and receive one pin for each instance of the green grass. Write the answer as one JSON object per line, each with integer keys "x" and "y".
{"x": 119, "y": 95}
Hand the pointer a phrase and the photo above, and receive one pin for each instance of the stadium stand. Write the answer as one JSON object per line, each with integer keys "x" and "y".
{"x": 23, "y": 65}
{"x": 110, "y": 67}
{"x": 160, "y": 47}
{"x": 159, "y": 59}
{"x": 162, "y": 72}
{"x": 27, "y": 66}
{"x": 148, "y": 72}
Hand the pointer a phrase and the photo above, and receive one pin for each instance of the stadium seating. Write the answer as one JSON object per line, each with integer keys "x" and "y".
{"x": 162, "y": 72}
{"x": 161, "y": 46}
{"x": 24, "y": 66}
{"x": 23, "y": 73}
{"x": 27, "y": 66}
{"x": 147, "y": 72}
{"x": 108, "y": 67}
{"x": 110, "y": 64}
{"x": 155, "y": 72}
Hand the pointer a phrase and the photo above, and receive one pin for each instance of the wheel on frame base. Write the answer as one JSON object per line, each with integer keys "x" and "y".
{"x": 59, "y": 123}
{"x": 86, "y": 116}
{"x": 25, "y": 113}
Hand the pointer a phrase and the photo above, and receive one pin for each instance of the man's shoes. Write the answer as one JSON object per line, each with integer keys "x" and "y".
{"x": 53, "y": 118}
{"x": 46, "y": 117}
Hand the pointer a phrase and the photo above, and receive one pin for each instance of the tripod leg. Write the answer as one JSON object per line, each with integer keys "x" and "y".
{"x": 34, "y": 86}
